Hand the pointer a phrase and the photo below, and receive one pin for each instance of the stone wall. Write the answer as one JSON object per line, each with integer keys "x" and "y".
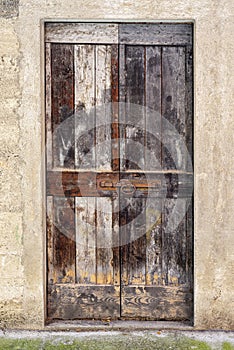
{"x": 22, "y": 229}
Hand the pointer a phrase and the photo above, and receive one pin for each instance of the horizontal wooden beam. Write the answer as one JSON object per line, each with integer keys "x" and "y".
{"x": 81, "y": 33}
{"x": 156, "y": 34}
{"x": 74, "y": 301}
{"x": 157, "y": 303}
{"x": 107, "y": 184}
{"x": 125, "y": 33}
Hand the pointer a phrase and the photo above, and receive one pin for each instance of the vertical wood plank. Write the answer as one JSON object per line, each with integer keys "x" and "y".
{"x": 154, "y": 242}
{"x": 174, "y": 242}
{"x": 153, "y": 108}
{"x": 104, "y": 241}
{"x": 85, "y": 240}
{"x": 62, "y": 88}
{"x": 64, "y": 245}
{"x": 133, "y": 254}
{"x": 84, "y": 56}
{"x": 50, "y": 237}
{"x": 189, "y": 242}
{"x": 135, "y": 97}
{"x": 124, "y": 240}
{"x": 135, "y": 75}
{"x": 48, "y": 101}
{"x": 116, "y": 241}
{"x": 103, "y": 107}
{"x": 115, "y": 107}
{"x": 122, "y": 106}
{"x": 173, "y": 106}
{"x": 189, "y": 104}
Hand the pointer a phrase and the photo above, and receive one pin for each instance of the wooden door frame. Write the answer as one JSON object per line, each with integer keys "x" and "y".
{"x": 43, "y": 140}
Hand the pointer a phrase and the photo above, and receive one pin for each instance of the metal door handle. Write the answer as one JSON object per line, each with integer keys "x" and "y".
{"x": 106, "y": 184}
{"x": 128, "y": 186}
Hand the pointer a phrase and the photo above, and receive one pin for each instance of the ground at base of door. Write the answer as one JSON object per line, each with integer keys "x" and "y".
{"x": 133, "y": 340}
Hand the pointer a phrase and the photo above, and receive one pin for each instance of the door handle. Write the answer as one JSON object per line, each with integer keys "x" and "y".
{"x": 128, "y": 186}
{"x": 137, "y": 184}
{"x": 106, "y": 184}
{"x": 124, "y": 185}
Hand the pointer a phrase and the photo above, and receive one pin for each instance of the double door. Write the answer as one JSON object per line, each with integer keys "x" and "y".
{"x": 119, "y": 171}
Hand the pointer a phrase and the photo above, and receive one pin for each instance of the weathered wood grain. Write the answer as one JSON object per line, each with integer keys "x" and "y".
{"x": 135, "y": 116}
{"x": 83, "y": 302}
{"x": 84, "y": 62}
{"x": 62, "y": 247}
{"x": 160, "y": 184}
{"x": 50, "y": 238}
{"x": 154, "y": 241}
{"x": 133, "y": 240}
{"x": 62, "y": 91}
{"x": 78, "y": 184}
{"x": 103, "y": 108}
{"x": 115, "y": 164}
{"x": 122, "y": 106}
{"x": 104, "y": 241}
{"x": 100, "y": 205}
{"x": 173, "y": 108}
{"x": 189, "y": 106}
{"x": 85, "y": 240}
{"x": 91, "y": 184}
{"x": 116, "y": 241}
{"x": 48, "y": 101}
{"x": 189, "y": 242}
{"x": 155, "y": 34}
{"x": 153, "y": 107}
{"x": 82, "y": 33}
{"x": 157, "y": 303}
{"x": 174, "y": 242}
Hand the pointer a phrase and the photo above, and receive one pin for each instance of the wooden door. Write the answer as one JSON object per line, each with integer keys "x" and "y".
{"x": 119, "y": 172}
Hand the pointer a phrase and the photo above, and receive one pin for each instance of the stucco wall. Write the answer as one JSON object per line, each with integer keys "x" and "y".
{"x": 21, "y": 128}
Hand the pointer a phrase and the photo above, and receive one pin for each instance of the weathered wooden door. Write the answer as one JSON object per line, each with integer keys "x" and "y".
{"x": 119, "y": 171}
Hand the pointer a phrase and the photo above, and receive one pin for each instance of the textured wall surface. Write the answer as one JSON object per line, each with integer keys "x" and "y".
{"x": 9, "y": 8}
{"x": 22, "y": 234}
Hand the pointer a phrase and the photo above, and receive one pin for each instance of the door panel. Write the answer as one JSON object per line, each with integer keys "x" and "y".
{"x": 156, "y": 271}
{"x": 156, "y": 78}
{"x": 119, "y": 177}
{"x": 82, "y": 221}
{"x": 83, "y": 273}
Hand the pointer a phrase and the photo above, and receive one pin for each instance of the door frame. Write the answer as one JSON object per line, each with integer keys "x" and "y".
{"x": 43, "y": 22}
